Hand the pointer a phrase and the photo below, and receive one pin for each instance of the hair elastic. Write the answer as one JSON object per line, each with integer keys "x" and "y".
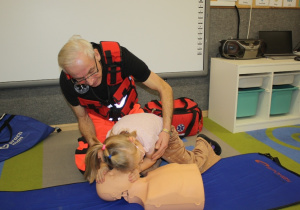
{"x": 103, "y": 147}
{"x": 109, "y": 156}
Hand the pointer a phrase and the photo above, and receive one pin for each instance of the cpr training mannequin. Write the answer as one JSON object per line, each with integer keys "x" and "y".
{"x": 173, "y": 186}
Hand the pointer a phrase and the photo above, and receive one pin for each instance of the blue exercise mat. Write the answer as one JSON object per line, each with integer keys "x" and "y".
{"x": 64, "y": 197}
{"x": 250, "y": 181}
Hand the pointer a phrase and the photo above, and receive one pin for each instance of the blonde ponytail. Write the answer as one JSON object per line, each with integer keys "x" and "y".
{"x": 118, "y": 152}
{"x": 92, "y": 162}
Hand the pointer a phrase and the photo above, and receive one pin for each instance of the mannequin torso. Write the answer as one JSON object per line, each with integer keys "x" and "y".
{"x": 174, "y": 186}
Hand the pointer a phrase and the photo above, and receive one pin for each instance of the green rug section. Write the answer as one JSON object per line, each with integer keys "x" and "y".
{"x": 23, "y": 171}
{"x": 244, "y": 143}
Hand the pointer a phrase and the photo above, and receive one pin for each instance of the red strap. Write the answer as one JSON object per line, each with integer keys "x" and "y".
{"x": 68, "y": 76}
{"x": 112, "y": 58}
{"x": 95, "y": 107}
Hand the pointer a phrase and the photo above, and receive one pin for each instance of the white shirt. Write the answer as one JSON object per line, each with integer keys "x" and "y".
{"x": 147, "y": 126}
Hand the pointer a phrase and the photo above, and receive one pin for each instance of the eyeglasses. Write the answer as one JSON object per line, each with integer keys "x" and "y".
{"x": 79, "y": 82}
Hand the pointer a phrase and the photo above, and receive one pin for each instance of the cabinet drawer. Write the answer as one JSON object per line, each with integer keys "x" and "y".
{"x": 249, "y": 81}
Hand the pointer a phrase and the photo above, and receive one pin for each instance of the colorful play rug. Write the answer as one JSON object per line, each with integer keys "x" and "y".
{"x": 282, "y": 142}
{"x": 285, "y": 140}
{"x": 49, "y": 163}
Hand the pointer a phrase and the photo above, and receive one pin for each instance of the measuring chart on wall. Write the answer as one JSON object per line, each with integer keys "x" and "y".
{"x": 201, "y": 26}
{"x": 168, "y": 35}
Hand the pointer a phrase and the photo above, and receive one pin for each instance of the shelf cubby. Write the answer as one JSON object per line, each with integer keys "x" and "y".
{"x": 227, "y": 76}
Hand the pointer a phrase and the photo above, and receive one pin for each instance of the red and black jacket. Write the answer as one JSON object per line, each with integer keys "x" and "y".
{"x": 122, "y": 93}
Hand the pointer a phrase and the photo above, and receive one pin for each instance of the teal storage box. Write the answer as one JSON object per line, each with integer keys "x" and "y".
{"x": 247, "y": 101}
{"x": 281, "y": 99}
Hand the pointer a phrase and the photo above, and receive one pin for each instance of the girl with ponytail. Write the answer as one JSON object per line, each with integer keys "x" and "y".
{"x": 131, "y": 143}
{"x": 173, "y": 186}
{"x": 119, "y": 152}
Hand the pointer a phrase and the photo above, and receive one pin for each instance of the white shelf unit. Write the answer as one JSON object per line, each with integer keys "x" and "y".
{"x": 225, "y": 75}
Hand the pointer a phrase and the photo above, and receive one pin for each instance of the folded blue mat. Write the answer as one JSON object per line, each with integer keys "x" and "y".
{"x": 250, "y": 181}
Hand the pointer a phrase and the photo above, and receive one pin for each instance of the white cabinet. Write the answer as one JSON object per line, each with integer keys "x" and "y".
{"x": 226, "y": 76}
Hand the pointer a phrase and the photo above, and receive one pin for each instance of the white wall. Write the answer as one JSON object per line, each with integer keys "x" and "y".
{"x": 163, "y": 33}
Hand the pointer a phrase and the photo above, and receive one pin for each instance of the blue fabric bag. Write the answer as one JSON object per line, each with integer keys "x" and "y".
{"x": 19, "y": 133}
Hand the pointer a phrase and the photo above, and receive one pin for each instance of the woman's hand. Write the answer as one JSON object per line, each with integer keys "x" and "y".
{"x": 134, "y": 175}
{"x": 100, "y": 178}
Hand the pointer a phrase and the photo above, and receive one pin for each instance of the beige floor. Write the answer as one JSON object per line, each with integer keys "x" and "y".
{"x": 59, "y": 155}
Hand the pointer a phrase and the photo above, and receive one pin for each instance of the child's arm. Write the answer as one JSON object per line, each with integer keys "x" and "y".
{"x": 147, "y": 163}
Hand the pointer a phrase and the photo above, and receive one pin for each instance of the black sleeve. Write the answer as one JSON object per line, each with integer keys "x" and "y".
{"x": 134, "y": 66}
{"x": 67, "y": 88}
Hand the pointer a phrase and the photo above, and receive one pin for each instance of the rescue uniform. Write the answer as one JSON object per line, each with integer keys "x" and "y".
{"x": 100, "y": 101}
